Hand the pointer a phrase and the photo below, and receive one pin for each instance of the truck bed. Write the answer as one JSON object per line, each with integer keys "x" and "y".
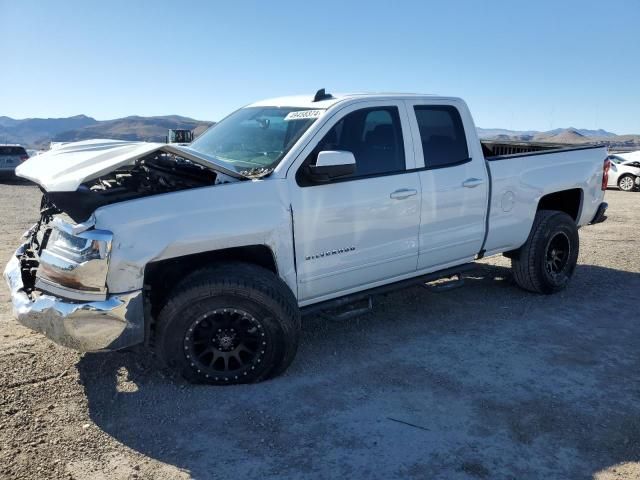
{"x": 496, "y": 148}
{"x": 520, "y": 179}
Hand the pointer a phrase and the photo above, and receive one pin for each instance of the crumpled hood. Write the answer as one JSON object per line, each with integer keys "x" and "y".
{"x": 64, "y": 168}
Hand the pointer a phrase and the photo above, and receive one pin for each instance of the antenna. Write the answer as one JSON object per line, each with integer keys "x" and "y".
{"x": 321, "y": 95}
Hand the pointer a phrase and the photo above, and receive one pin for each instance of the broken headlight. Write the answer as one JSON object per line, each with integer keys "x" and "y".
{"x": 74, "y": 264}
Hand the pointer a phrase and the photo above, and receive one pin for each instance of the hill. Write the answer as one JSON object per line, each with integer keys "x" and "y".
{"x": 151, "y": 129}
{"x": 571, "y": 136}
{"x": 39, "y": 132}
{"x": 568, "y": 135}
{"x": 600, "y": 133}
{"x": 502, "y": 132}
{"x": 31, "y": 131}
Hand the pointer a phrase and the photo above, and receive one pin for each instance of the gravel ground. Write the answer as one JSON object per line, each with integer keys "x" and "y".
{"x": 487, "y": 381}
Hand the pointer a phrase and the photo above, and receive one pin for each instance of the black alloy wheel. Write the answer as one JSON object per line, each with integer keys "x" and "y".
{"x": 228, "y": 323}
{"x": 547, "y": 260}
{"x": 558, "y": 252}
{"x": 225, "y": 344}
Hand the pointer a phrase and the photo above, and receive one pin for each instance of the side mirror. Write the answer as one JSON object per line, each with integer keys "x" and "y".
{"x": 332, "y": 164}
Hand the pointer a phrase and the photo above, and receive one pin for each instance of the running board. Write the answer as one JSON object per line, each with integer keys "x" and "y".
{"x": 350, "y": 311}
{"x": 392, "y": 287}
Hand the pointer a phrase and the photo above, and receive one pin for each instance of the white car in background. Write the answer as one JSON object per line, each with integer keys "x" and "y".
{"x": 624, "y": 172}
{"x": 11, "y": 155}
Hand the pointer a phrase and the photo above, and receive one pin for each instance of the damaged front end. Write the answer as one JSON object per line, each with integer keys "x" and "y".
{"x": 57, "y": 280}
{"x": 153, "y": 174}
{"x": 58, "y": 277}
{"x": 66, "y": 259}
{"x": 57, "y": 284}
{"x": 65, "y": 254}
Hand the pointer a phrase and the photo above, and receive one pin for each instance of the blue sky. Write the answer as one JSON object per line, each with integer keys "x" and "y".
{"x": 519, "y": 65}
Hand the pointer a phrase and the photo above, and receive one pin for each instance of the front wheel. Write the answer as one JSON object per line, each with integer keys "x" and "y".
{"x": 232, "y": 323}
{"x": 546, "y": 262}
{"x": 626, "y": 183}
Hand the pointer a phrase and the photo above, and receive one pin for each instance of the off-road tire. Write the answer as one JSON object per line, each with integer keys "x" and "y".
{"x": 626, "y": 183}
{"x": 252, "y": 290}
{"x": 529, "y": 263}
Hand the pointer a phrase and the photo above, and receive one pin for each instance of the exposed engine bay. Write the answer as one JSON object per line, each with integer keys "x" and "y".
{"x": 37, "y": 238}
{"x": 157, "y": 173}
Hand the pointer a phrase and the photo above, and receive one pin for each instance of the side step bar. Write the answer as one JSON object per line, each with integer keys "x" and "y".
{"x": 349, "y": 311}
{"x": 366, "y": 295}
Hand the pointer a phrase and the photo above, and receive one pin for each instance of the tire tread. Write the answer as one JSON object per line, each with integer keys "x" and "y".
{"x": 245, "y": 280}
{"x": 524, "y": 262}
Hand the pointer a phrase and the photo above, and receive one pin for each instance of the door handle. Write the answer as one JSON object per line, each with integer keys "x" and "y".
{"x": 403, "y": 193}
{"x": 472, "y": 182}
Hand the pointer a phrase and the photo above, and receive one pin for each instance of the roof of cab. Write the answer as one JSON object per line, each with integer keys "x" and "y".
{"x": 307, "y": 101}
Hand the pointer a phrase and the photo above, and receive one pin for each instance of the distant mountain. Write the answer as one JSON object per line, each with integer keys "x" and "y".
{"x": 584, "y": 132}
{"x": 563, "y": 136}
{"x": 39, "y": 132}
{"x": 566, "y": 135}
{"x": 33, "y": 131}
{"x": 8, "y": 122}
{"x": 150, "y": 129}
{"x": 494, "y": 132}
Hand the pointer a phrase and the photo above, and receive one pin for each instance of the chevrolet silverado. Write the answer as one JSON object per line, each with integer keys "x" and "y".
{"x": 210, "y": 253}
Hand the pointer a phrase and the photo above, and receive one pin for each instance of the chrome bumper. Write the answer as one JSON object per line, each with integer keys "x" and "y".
{"x": 114, "y": 323}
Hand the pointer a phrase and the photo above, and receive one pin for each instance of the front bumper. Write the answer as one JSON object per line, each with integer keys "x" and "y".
{"x": 114, "y": 323}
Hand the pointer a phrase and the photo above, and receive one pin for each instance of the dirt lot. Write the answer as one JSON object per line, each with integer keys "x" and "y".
{"x": 482, "y": 382}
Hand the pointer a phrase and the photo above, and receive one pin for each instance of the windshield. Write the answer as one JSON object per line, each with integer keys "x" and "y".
{"x": 252, "y": 141}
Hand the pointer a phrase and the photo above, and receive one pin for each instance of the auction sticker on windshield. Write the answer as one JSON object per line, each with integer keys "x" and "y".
{"x": 303, "y": 115}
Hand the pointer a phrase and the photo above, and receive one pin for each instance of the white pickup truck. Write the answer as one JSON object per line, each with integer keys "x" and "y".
{"x": 210, "y": 253}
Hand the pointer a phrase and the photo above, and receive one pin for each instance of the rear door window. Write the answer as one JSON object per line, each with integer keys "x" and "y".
{"x": 444, "y": 142}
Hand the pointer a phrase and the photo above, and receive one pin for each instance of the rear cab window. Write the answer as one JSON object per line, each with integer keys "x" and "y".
{"x": 444, "y": 143}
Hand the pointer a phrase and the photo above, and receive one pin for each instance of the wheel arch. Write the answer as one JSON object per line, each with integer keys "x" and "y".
{"x": 568, "y": 201}
{"x": 162, "y": 276}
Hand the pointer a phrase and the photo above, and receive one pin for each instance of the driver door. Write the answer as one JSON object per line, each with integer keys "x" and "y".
{"x": 360, "y": 230}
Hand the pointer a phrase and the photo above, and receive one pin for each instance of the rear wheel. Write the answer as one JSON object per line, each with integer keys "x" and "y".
{"x": 626, "y": 183}
{"x": 233, "y": 323}
{"x": 546, "y": 262}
